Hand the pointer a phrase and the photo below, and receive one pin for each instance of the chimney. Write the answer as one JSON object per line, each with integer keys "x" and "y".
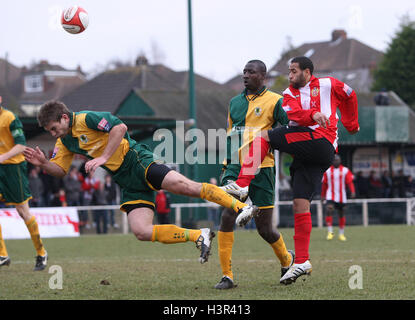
{"x": 336, "y": 34}
{"x": 141, "y": 60}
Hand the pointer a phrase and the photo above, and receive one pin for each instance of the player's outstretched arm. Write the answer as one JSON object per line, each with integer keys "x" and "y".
{"x": 114, "y": 140}
{"x": 37, "y": 158}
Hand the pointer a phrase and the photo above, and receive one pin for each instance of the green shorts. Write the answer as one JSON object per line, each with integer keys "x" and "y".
{"x": 131, "y": 177}
{"x": 261, "y": 189}
{"x": 14, "y": 185}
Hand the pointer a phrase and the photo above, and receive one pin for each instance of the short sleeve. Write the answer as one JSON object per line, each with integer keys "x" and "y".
{"x": 101, "y": 121}
{"x": 16, "y": 130}
{"x": 279, "y": 114}
{"x": 62, "y": 156}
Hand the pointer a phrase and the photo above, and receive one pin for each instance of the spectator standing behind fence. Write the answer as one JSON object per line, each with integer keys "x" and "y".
{"x": 362, "y": 185}
{"x": 59, "y": 199}
{"x": 89, "y": 185}
{"x": 36, "y": 187}
{"x": 387, "y": 185}
{"x": 163, "y": 207}
{"x": 72, "y": 186}
{"x": 375, "y": 185}
{"x": 399, "y": 185}
{"x": 100, "y": 216}
{"x": 111, "y": 197}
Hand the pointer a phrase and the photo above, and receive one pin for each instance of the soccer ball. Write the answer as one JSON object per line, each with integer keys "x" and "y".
{"x": 74, "y": 19}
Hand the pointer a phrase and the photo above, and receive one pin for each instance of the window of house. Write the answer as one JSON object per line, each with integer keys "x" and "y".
{"x": 33, "y": 83}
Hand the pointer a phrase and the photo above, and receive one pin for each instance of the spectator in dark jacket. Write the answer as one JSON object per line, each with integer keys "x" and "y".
{"x": 36, "y": 187}
{"x": 362, "y": 185}
{"x": 387, "y": 185}
{"x": 72, "y": 186}
{"x": 100, "y": 216}
{"x": 111, "y": 197}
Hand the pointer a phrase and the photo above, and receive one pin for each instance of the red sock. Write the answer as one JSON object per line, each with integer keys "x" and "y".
{"x": 302, "y": 232}
{"x": 342, "y": 222}
{"x": 329, "y": 221}
{"x": 256, "y": 154}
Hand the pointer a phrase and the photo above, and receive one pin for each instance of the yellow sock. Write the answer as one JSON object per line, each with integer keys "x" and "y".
{"x": 213, "y": 193}
{"x": 225, "y": 244}
{"x": 3, "y": 250}
{"x": 34, "y": 234}
{"x": 281, "y": 252}
{"x": 170, "y": 233}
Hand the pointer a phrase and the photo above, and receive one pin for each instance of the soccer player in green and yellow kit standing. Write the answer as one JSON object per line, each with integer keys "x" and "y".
{"x": 255, "y": 109}
{"x": 104, "y": 140}
{"x": 14, "y": 185}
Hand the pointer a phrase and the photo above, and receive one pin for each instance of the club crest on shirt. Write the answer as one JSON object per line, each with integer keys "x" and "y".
{"x": 315, "y": 92}
{"x": 83, "y": 138}
{"x": 258, "y": 111}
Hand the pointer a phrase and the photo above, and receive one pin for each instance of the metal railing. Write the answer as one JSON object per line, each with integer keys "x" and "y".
{"x": 177, "y": 207}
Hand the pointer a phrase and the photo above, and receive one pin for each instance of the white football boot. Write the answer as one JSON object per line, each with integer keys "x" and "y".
{"x": 234, "y": 190}
{"x": 204, "y": 243}
{"x": 246, "y": 214}
{"x": 297, "y": 270}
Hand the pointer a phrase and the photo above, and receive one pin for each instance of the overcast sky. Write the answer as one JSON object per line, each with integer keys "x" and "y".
{"x": 226, "y": 33}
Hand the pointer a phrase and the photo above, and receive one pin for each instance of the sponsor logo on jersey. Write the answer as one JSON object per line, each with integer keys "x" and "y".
{"x": 104, "y": 125}
{"x": 83, "y": 138}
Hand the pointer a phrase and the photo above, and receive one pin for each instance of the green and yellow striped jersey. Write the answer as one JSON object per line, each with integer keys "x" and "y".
{"x": 89, "y": 137}
{"x": 11, "y": 133}
{"x": 248, "y": 115}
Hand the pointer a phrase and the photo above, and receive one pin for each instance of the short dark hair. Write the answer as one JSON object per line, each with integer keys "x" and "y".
{"x": 304, "y": 63}
{"x": 52, "y": 111}
{"x": 260, "y": 64}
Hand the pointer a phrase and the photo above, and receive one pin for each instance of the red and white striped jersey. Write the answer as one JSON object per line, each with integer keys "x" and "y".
{"x": 334, "y": 184}
{"x": 323, "y": 95}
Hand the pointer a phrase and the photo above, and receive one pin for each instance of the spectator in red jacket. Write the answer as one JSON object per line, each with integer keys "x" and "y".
{"x": 162, "y": 207}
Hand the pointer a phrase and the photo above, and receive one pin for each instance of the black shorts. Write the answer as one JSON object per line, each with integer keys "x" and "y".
{"x": 336, "y": 205}
{"x": 155, "y": 176}
{"x": 312, "y": 157}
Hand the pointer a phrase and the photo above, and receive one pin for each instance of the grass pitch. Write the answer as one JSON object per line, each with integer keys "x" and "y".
{"x": 145, "y": 270}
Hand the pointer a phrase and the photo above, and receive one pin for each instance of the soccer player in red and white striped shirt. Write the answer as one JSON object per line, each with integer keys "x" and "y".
{"x": 311, "y": 137}
{"x": 333, "y": 192}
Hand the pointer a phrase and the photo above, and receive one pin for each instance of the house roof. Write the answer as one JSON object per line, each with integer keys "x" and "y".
{"x": 212, "y": 105}
{"x": 164, "y": 90}
{"x": 340, "y": 53}
{"x": 12, "y": 72}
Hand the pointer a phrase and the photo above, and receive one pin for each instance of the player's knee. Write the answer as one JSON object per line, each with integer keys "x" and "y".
{"x": 329, "y": 209}
{"x": 227, "y": 221}
{"x": 267, "y": 233}
{"x": 301, "y": 205}
{"x": 264, "y": 134}
{"x": 140, "y": 235}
